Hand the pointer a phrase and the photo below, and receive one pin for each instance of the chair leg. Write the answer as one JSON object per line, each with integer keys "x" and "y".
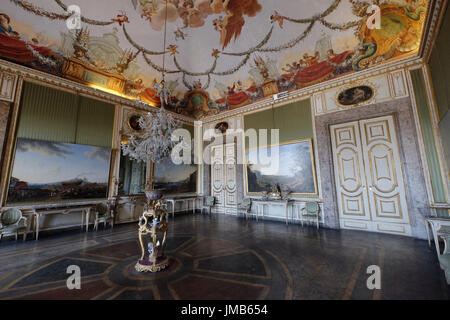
{"x": 17, "y": 235}
{"x": 24, "y": 236}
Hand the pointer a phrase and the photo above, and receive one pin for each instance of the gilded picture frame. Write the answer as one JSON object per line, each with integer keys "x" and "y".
{"x": 309, "y": 157}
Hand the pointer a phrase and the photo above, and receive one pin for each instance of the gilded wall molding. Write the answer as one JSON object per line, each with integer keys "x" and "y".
{"x": 8, "y": 83}
{"x": 43, "y": 78}
{"x": 60, "y": 83}
{"x": 385, "y": 87}
{"x": 437, "y": 134}
{"x": 307, "y": 92}
{"x": 432, "y": 25}
{"x": 421, "y": 144}
{"x": 8, "y": 151}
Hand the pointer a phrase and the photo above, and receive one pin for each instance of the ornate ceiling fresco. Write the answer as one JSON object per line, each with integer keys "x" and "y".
{"x": 220, "y": 54}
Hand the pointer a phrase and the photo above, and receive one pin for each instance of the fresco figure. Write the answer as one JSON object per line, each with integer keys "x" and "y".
{"x": 15, "y": 49}
{"x": 266, "y": 61}
{"x": 5, "y": 28}
{"x": 311, "y": 60}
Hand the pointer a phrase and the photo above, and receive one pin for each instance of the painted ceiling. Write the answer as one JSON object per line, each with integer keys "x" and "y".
{"x": 219, "y": 54}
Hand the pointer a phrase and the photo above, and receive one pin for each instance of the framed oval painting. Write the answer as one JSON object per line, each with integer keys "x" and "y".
{"x": 133, "y": 122}
{"x": 355, "y": 96}
{"x": 221, "y": 127}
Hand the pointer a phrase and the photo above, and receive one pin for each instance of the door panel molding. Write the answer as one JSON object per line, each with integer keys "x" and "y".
{"x": 223, "y": 175}
{"x": 348, "y": 166}
{"x": 368, "y": 176}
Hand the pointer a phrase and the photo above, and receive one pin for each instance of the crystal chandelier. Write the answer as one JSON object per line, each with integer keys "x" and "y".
{"x": 155, "y": 143}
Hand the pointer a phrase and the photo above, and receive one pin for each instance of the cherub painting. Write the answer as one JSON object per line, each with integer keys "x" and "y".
{"x": 231, "y": 26}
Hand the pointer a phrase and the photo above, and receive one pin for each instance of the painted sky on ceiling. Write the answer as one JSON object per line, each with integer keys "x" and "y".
{"x": 220, "y": 54}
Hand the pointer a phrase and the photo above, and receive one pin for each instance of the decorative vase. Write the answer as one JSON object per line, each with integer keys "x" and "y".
{"x": 153, "y": 195}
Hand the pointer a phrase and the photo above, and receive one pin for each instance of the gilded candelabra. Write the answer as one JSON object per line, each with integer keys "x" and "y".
{"x": 153, "y": 226}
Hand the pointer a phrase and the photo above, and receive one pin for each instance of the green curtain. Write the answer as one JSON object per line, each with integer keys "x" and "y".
{"x": 423, "y": 110}
{"x": 58, "y": 116}
{"x": 95, "y": 123}
{"x": 293, "y": 120}
{"x": 47, "y": 114}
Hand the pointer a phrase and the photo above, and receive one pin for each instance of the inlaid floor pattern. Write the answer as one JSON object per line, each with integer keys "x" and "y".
{"x": 223, "y": 257}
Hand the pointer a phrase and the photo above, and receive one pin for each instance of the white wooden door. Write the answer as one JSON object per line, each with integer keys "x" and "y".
{"x": 223, "y": 175}
{"x": 386, "y": 190}
{"x": 217, "y": 175}
{"x": 368, "y": 175}
{"x": 230, "y": 176}
{"x": 349, "y": 172}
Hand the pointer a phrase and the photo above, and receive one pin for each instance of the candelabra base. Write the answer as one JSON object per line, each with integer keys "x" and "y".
{"x": 149, "y": 266}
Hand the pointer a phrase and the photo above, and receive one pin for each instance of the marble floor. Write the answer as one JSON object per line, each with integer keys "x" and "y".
{"x": 223, "y": 257}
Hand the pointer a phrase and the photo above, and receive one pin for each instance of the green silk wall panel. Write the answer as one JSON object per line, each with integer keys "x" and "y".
{"x": 47, "y": 114}
{"x": 293, "y": 120}
{"x": 423, "y": 110}
{"x": 58, "y": 116}
{"x": 95, "y": 123}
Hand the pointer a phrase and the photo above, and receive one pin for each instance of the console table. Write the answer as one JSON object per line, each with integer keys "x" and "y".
{"x": 37, "y": 211}
{"x": 438, "y": 226}
{"x": 174, "y": 200}
{"x": 288, "y": 205}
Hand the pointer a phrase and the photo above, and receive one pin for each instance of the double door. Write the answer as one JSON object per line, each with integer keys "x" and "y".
{"x": 368, "y": 175}
{"x": 223, "y": 175}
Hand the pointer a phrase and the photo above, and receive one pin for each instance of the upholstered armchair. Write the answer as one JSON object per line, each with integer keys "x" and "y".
{"x": 310, "y": 212}
{"x": 245, "y": 207}
{"x": 209, "y": 203}
{"x": 103, "y": 213}
{"x": 12, "y": 221}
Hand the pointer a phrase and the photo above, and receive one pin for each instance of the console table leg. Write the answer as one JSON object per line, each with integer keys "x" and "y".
{"x": 287, "y": 213}
{"x": 37, "y": 217}
{"x": 436, "y": 240}
{"x": 88, "y": 216}
{"x": 427, "y": 227}
{"x": 173, "y": 209}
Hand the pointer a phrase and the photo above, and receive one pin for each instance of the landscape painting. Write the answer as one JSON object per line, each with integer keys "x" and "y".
{"x": 175, "y": 179}
{"x": 52, "y": 171}
{"x": 294, "y": 171}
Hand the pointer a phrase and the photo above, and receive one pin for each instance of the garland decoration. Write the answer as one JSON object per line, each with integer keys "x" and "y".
{"x": 39, "y": 11}
{"x": 42, "y": 59}
{"x": 195, "y": 74}
{"x": 139, "y": 47}
{"x": 249, "y": 51}
{"x": 84, "y": 19}
{"x": 235, "y": 69}
{"x": 156, "y": 67}
{"x": 310, "y": 22}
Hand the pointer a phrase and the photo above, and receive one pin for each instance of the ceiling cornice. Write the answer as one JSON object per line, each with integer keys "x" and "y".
{"x": 40, "y": 77}
{"x": 432, "y": 25}
{"x": 304, "y": 93}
